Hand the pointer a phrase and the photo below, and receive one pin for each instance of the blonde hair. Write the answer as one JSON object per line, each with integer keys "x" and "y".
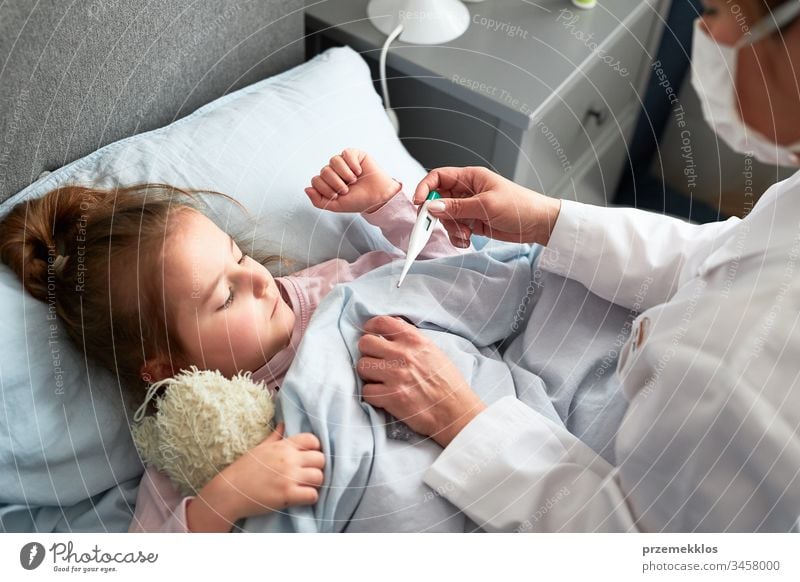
{"x": 96, "y": 257}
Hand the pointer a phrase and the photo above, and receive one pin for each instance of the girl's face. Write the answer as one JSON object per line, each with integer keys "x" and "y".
{"x": 228, "y": 309}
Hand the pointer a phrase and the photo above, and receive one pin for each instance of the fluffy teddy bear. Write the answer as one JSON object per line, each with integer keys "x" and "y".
{"x": 203, "y": 422}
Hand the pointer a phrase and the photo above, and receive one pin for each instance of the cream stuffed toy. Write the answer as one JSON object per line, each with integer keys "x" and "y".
{"x": 202, "y": 424}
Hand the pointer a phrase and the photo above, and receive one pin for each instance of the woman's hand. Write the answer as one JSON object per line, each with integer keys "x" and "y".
{"x": 351, "y": 182}
{"x": 276, "y": 473}
{"x": 410, "y": 377}
{"x": 478, "y": 201}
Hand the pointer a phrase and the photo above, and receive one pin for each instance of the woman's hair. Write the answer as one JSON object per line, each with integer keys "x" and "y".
{"x": 95, "y": 257}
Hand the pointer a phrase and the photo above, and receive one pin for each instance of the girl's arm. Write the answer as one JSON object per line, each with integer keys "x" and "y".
{"x": 353, "y": 182}
{"x": 160, "y": 508}
{"x": 159, "y": 505}
{"x": 396, "y": 219}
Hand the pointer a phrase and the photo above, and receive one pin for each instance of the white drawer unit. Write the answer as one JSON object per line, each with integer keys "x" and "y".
{"x": 545, "y": 94}
{"x": 579, "y": 133}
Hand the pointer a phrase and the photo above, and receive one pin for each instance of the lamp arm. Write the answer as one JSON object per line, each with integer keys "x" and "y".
{"x": 384, "y": 86}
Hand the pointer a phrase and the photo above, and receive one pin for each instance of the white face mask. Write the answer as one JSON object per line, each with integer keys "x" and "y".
{"x": 714, "y": 79}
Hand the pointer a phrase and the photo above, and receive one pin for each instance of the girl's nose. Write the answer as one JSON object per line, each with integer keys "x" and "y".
{"x": 260, "y": 282}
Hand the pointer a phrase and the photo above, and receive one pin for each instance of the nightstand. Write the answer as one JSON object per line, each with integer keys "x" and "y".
{"x": 539, "y": 91}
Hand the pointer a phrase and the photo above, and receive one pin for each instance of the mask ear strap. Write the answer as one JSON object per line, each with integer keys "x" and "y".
{"x": 777, "y": 19}
{"x": 151, "y": 392}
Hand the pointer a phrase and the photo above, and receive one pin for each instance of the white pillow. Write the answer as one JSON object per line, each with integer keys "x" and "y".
{"x": 262, "y": 145}
{"x": 61, "y": 445}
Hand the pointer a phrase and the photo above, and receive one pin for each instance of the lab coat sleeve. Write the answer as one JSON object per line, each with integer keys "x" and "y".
{"x": 511, "y": 469}
{"x": 630, "y": 257}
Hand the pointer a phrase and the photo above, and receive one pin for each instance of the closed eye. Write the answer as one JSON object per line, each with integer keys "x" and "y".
{"x": 229, "y": 301}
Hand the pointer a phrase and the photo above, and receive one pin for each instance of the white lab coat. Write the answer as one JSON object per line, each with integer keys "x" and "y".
{"x": 710, "y": 441}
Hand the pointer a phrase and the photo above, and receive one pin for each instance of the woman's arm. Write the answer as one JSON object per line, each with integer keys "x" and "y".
{"x": 630, "y": 257}
{"x": 511, "y": 469}
{"x": 506, "y": 466}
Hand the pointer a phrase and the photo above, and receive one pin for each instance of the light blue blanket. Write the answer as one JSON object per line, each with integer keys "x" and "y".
{"x": 509, "y": 329}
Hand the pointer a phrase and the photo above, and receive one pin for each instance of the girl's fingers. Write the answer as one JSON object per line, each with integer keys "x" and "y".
{"x": 302, "y": 495}
{"x": 305, "y": 441}
{"x": 313, "y": 459}
{"x": 312, "y": 477}
{"x": 315, "y": 197}
{"x": 333, "y": 180}
{"x": 350, "y": 156}
{"x": 342, "y": 169}
{"x": 322, "y": 187}
{"x": 321, "y": 202}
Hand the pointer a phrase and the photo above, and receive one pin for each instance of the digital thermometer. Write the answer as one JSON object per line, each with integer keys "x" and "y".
{"x": 421, "y": 233}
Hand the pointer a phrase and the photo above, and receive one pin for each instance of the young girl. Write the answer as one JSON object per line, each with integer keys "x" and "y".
{"x": 147, "y": 285}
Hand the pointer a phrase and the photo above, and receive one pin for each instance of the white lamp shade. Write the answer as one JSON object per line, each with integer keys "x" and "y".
{"x": 424, "y": 21}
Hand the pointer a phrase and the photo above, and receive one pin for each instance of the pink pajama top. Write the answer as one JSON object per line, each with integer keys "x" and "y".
{"x": 159, "y": 505}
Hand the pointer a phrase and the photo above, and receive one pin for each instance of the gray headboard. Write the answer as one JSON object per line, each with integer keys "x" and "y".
{"x": 77, "y": 75}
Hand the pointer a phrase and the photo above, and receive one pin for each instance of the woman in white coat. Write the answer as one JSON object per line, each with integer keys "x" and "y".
{"x": 711, "y": 437}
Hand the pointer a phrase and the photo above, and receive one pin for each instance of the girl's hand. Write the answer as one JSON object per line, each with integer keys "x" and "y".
{"x": 351, "y": 182}
{"x": 276, "y": 473}
{"x": 410, "y": 377}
